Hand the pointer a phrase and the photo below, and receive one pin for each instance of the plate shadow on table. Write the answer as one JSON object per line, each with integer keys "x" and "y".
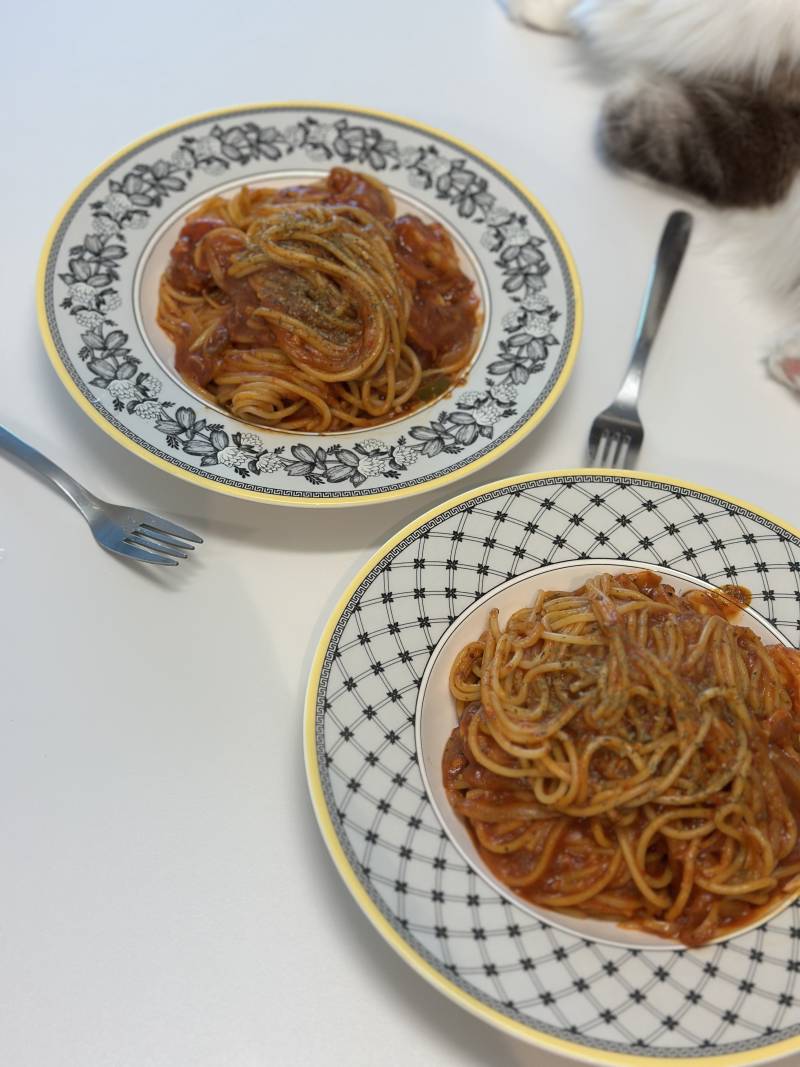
{"x": 130, "y": 480}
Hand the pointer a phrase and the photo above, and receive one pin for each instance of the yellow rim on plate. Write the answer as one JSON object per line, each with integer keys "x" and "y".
{"x": 274, "y": 498}
{"x": 367, "y": 905}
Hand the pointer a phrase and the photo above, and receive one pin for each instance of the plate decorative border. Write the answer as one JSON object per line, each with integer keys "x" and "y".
{"x": 756, "y": 547}
{"x": 111, "y": 387}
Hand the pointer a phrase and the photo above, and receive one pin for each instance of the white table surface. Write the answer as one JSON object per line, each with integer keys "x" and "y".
{"x": 165, "y": 896}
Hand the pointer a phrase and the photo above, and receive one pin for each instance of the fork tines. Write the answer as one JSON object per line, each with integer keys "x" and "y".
{"x": 609, "y": 448}
{"x": 166, "y": 542}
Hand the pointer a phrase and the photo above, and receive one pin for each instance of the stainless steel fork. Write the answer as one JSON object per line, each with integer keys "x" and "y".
{"x": 617, "y": 433}
{"x": 127, "y": 532}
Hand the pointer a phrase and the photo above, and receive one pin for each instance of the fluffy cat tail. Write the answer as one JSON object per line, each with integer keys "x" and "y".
{"x": 718, "y": 140}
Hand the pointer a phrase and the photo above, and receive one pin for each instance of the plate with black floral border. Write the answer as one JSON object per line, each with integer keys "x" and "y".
{"x": 98, "y": 283}
{"x": 590, "y": 997}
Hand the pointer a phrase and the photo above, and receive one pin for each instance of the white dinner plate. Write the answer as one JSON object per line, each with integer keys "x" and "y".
{"x": 98, "y": 292}
{"x": 589, "y": 994}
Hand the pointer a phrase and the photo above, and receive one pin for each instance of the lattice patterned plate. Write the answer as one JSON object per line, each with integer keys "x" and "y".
{"x": 732, "y": 1003}
{"x": 98, "y": 296}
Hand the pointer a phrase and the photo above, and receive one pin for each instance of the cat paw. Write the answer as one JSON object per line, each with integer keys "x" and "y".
{"x": 783, "y": 360}
{"x": 549, "y": 15}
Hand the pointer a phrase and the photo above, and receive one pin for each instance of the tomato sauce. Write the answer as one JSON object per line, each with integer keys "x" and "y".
{"x": 444, "y": 313}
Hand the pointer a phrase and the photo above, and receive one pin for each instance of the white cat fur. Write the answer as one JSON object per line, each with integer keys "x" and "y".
{"x": 699, "y": 39}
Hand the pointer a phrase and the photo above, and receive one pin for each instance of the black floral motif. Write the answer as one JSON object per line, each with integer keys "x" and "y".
{"x": 344, "y": 142}
{"x": 142, "y": 188}
{"x": 94, "y": 262}
{"x": 465, "y": 189}
{"x": 524, "y": 266}
{"x": 220, "y": 147}
{"x": 520, "y": 356}
{"x": 93, "y": 266}
{"x": 451, "y": 180}
{"x": 93, "y": 270}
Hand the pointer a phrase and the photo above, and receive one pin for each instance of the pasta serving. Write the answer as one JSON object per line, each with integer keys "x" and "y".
{"x": 628, "y": 753}
{"x": 313, "y": 308}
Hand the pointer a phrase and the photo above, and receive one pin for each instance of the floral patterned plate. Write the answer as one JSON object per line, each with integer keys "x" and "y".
{"x": 736, "y": 1002}
{"x": 98, "y": 284}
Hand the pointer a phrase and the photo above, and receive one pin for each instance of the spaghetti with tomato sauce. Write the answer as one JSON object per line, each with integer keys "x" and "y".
{"x": 314, "y": 308}
{"x": 624, "y": 752}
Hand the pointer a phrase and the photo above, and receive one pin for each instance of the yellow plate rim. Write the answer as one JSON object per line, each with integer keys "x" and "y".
{"x": 496, "y": 1019}
{"x": 275, "y": 498}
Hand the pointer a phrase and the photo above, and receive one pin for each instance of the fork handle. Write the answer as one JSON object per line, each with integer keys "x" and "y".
{"x": 45, "y": 468}
{"x": 671, "y": 250}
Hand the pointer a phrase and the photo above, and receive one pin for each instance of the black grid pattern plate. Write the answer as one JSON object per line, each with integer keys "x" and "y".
{"x": 737, "y": 1002}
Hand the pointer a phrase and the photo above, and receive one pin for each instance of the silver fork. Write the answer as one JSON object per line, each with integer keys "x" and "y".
{"x": 617, "y": 433}
{"x": 127, "y": 532}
